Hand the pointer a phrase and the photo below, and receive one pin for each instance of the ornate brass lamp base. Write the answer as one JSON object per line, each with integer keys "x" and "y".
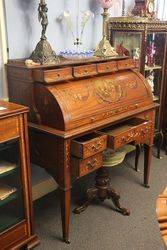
{"x": 105, "y": 49}
{"x": 44, "y": 54}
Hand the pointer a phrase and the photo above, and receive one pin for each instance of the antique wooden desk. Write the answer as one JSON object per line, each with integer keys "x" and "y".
{"x": 72, "y": 104}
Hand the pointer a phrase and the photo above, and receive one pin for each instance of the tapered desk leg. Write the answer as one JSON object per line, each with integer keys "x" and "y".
{"x": 147, "y": 163}
{"x": 138, "y": 151}
{"x": 65, "y": 213}
{"x": 64, "y": 182}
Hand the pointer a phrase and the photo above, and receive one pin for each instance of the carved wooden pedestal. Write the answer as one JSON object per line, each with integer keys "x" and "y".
{"x": 102, "y": 191}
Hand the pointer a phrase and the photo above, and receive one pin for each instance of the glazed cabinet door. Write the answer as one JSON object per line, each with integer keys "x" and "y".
{"x": 128, "y": 44}
{"x": 11, "y": 185}
{"x": 155, "y": 68}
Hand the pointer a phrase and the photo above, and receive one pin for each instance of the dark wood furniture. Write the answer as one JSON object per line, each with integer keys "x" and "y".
{"x": 16, "y": 213}
{"x": 72, "y": 106}
{"x": 136, "y": 36}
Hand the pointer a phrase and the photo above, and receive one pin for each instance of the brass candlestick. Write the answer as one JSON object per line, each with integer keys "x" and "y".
{"x": 43, "y": 52}
{"x": 104, "y": 48}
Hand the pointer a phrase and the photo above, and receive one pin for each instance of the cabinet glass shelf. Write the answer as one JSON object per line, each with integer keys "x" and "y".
{"x": 149, "y": 68}
{"x": 10, "y": 198}
{"x": 7, "y": 221}
{"x": 9, "y": 172}
{"x": 11, "y": 190}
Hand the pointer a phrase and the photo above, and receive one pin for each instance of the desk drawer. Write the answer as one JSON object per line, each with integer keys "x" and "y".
{"x": 83, "y": 167}
{"x": 136, "y": 130}
{"x": 53, "y": 75}
{"x": 86, "y": 70}
{"x": 107, "y": 67}
{"x": 9, "y": 128}
{"x": 126, "y": 64}
{"x": 88, "y": 145}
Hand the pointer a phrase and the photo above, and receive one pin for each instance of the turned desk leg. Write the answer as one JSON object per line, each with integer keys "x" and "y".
{"x": 147, "y": 163}
{"x": 65, "y": 213}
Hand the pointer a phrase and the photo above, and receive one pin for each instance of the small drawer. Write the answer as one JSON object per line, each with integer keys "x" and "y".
{"x": 126, "y": 64}
{"x": 83, "y": 167}
{"x": 9, "y": 128}
{"x": 126, "y": 132}
{"x": 53, "y": 75}
{"x": 107, "y": 67}
{"x": 88, "y": 145}
{"x": 86, "y": 70}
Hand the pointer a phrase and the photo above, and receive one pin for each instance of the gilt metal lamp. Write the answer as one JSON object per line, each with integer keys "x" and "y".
{"x": 104, "y": 49}
{"x": 43, "y": 52}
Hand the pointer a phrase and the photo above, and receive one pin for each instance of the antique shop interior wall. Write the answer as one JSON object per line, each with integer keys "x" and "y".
{"x": 1, "y": 66}
{"x": 24, "y": 29}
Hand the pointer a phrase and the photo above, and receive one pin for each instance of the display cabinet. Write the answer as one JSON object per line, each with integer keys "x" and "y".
{"x": 16, "y": 215}
{"x": 145, "y": 40}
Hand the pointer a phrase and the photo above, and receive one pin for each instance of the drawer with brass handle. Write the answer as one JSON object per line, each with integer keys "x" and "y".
{"x": 126, "y": 64}
{"x": 86, "y": 70}
{"x": 51, "y": 76}
{"x": 132, "y": 130}
{"x": 88, "y": 145}
{"x": 83, "y": 167}
{"x": 107, "y": 67}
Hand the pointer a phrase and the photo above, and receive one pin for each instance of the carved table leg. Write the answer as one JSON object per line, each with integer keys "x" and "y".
{"x": 147, "y": 163}
{"x": 115, "y": 197}
{"x": 65, "y": 213}
{"x": 102, "y": 191}
{"x": 138, "y": 151}
{"x": 91, "y": 194}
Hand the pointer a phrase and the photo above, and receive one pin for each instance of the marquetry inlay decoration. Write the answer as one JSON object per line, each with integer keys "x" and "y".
{"x": 107, "y": 91}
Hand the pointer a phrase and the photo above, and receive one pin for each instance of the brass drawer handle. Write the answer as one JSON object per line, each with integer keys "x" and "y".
{"x": 90, "y": 165}
{"x": 93, "y": 119}
{"x": 97, "y": 147}
{"x": 86, "y": 72}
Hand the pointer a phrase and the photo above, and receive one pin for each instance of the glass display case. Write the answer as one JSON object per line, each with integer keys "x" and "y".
{"x": 145, "y": 40}
{"x": 11, "y": 192}
{"x": 16, "y": 220}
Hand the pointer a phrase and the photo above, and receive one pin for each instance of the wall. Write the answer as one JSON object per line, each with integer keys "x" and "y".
{"x": 24, "y": 29}
{"x": 1, "y": 67}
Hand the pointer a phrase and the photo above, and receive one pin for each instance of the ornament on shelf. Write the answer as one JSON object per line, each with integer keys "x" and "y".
{"x": 136, "y": 54}
{"x": 43, "y": 52}
{"x": 121, "y": 50}
{"x": 66, "y": 17}
{"x": 144, "y": 8}
{"x": 104, "y": 49}
{"x": 150, "y": 54}
{"x": 150, "y": 79}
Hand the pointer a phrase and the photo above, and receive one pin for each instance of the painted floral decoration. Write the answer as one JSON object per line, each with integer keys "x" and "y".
{"x": 106, "y": 4}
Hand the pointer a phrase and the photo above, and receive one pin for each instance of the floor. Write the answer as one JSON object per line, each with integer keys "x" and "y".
{"x": 100, "y": 227}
